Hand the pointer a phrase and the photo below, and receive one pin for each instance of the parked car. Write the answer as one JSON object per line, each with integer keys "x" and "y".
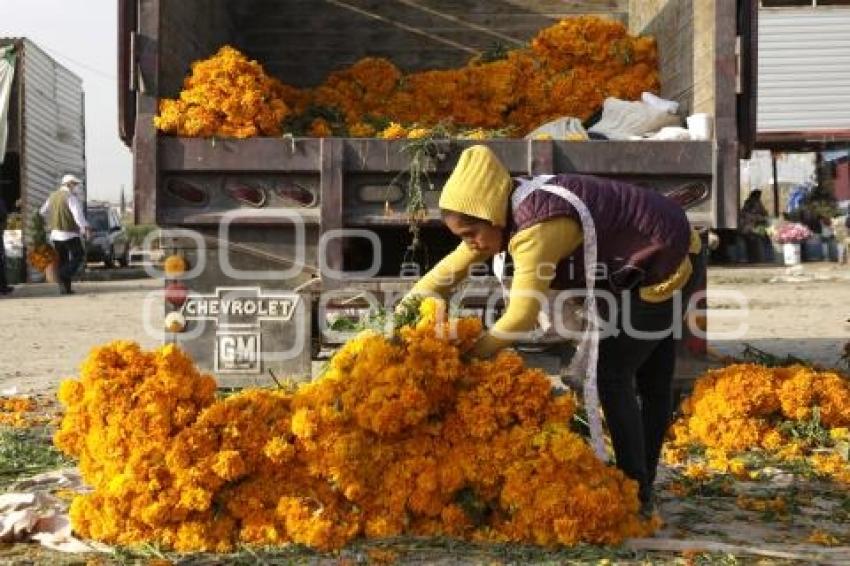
{"x": 109, "y": 242}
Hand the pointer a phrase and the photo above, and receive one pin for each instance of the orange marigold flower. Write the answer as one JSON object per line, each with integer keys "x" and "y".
{"x": 418, "y": 133}
{"x": 393, "y": 132}
{"x": 174, "y": 265}
{"x": 361, "y": 130}
{"x": 320, "y": 128}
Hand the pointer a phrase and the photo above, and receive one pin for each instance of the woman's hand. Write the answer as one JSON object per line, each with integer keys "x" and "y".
{"x": 481, "y": 350}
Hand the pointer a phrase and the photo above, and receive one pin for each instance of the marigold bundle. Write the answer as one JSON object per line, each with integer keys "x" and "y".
{"x": 792, "y": 414}
{"x": 42, "y": 257}
{"x": 17, "y": 412}
{"x": 227, "y": 95}
{"x": 398, "y": 437}
{"x": 568, "y": 70}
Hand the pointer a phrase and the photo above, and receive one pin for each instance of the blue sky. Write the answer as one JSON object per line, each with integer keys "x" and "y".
{"x": 81, "y": 35}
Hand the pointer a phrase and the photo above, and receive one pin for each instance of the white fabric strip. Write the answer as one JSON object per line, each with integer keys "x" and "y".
{"x": 587, "y": 353}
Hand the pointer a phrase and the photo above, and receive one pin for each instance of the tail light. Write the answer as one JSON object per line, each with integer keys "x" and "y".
{"x": 246, "y": 194}
{"x": 187, "y": 192}
{"x": 296, "y": 193}
{"x": 176, "y": 294}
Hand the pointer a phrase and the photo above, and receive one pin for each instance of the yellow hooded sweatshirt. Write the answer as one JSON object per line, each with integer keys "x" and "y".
{"x": 480, "y": 186}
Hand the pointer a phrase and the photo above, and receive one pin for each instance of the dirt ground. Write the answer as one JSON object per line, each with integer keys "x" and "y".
{"x": 44, "y": 337}
{"x": 797, "y": 312}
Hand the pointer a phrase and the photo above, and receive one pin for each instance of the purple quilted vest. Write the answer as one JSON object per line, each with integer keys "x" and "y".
{"x": 642, "y": 236}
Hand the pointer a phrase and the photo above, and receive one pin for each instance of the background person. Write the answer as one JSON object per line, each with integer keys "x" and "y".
{"x": 67, "y": 220}
{"x": 753, "y": 227}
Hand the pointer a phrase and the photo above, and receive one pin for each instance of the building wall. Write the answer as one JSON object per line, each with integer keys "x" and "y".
{"x": 684, "y": 30}
{"x": 53, "y": 128}
{"x": 189, "y": 31}
{"x": 302, "y": 41}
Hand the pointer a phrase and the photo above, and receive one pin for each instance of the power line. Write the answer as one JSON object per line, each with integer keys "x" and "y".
{"x": 101, "y": 74}
{"x": 54, "y": 53}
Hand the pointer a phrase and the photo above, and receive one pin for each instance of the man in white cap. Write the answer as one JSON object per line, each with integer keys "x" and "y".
{"x": 65, "y": 216}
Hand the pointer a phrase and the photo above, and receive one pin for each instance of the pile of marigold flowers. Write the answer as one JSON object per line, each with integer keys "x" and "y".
{"x": 18, "y": 411}
{"x": 42, "y": 257}
{"x": 399, "y": 436}
{"x": 567, "y": 70}
{"x": 788, "y": 415}
{"x": 227, "y": 95}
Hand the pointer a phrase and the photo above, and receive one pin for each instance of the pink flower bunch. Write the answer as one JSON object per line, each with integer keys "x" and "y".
{"x": 792, "y": 233}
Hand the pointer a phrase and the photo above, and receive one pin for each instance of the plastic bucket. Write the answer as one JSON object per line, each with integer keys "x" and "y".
{"x": 791, "y": 254}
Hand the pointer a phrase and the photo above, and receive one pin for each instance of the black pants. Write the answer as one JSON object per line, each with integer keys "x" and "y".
{"x": 635, "y": 380}
{"x": 71, "y": 256}
{"x": 3, "y": 282}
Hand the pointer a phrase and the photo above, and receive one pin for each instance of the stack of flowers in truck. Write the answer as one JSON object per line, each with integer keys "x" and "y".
{"x": 567, "y": 70}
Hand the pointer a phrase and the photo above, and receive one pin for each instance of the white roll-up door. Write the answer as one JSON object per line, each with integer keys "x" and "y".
{"x": 804, "y": 69}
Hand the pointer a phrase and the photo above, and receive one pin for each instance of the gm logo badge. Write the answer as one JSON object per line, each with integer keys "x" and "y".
{"x": 239, "y": 313}
{"x": 238, "y": 352}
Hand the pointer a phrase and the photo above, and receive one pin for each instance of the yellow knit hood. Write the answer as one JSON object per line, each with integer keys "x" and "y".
{"x": 479, "y": 186}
